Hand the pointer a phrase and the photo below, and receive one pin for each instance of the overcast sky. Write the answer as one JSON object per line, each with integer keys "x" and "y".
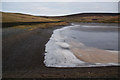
{"x": 60, "y": 0}
{"x": 59, "y": 8}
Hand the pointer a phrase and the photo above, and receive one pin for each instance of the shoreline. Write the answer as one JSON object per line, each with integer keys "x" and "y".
{"x": 94, "y": 56}
{"x": 23, "y": 56}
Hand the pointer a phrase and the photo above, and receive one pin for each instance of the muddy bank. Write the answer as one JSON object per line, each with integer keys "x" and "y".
{"x": 23, "y": 56}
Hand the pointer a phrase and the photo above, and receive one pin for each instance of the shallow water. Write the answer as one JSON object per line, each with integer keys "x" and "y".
{"x": 101, "y": 36}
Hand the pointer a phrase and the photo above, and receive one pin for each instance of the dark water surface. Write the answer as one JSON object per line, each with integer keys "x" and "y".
{"x": 99, "y": 35}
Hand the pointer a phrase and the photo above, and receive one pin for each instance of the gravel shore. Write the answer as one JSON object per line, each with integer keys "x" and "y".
{"x": 23, "y": 56}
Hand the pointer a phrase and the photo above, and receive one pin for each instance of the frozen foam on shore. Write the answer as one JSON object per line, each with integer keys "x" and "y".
{"x": 58, "y": 53}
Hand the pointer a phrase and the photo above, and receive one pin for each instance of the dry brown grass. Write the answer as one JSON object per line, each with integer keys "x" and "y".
{"x": 98, "y": 19}
{"x": 43, "y": 25}
{"x": 44, "y": 22}
{"x": 17, "y": 17}
{"x": 28, "y": 21}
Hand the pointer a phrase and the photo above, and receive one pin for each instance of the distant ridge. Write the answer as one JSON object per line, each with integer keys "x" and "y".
{"x": 19, "y": 19}
{"x": 80, "y": 17}
{"x": 94, "y": 14}
{"x": 86, "y": 14}
{"x": 90, "y": 17}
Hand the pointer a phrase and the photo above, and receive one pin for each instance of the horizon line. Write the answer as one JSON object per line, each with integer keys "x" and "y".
{"x": 62, "y": 15}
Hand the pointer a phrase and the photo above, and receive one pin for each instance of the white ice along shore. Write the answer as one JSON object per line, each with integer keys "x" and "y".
{"x": 58, "y": 53}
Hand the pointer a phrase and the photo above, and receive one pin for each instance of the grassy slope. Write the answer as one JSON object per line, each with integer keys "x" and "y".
{"x": 28, "y": 21}
{"x": 92, "y": 17}
{"x": 17, "y": 17}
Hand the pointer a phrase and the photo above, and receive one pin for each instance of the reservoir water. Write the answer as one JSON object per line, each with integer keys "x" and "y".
{"x": 67, "y": 44}
{"x": 103, "y": 36}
